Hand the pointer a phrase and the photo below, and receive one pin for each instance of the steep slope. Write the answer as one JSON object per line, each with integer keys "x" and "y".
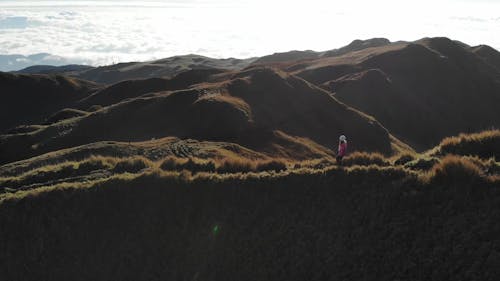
{"x": 421, "y": 91}
{"x": 258, "y": 108}
{"x": 28, "y": 99}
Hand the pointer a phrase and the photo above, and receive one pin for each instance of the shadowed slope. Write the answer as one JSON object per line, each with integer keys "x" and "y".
{"x": 421, "y": 92}
{"x": 28, "y": 99}
{"x": 362, "y": 223}
{"x": 249, "y": 109}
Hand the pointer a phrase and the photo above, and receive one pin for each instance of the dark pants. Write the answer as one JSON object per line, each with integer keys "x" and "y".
{"x": 339, "y": 160}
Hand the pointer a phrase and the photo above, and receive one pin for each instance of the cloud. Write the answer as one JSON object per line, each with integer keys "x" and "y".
{"x": 99, "y": 32}
{"x": 14, "y": 22}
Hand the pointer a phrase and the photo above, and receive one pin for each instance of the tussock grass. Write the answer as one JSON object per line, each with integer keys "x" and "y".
{"x": 167, "y": 211}
{"x": 132, "y": 164}
{"x": 225, "y": 165}
{"x": 403, "y": 158}
{"x": 365, "y": 159}
{"x": 71, "y": 169}
{"x": 485, "y": 144}
{"x": 173, "y": 163}
{"x": 422, "y": 163}
{"x": 454, "y": 168}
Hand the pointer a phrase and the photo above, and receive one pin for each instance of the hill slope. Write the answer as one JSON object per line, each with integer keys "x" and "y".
{"x": 28, "y": 99}
{"x": 252, "y": 107}
{"x": 421, "y": 91}
{"x": 148, "y": 221}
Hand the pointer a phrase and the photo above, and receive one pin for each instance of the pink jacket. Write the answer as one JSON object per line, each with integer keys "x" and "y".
{"x": 342, "y": 148}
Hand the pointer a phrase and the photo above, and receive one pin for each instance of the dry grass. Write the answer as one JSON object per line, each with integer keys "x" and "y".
{"x": 454, "y": 168}
{"x": 422, "y": 163}
{"x": 365, "y": 159}
{"x": 132, "y": 164}
{"x": 52, "y": 174}
{"x": 225, "y": 165}
{"x": 485, "y": 144}
{"x": 403, "y": 158}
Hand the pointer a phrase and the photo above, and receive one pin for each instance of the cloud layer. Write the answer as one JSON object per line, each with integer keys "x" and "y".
{"x": 103, "y": 32}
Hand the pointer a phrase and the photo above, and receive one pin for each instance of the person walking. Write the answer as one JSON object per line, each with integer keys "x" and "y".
{"x": 342, "y": 149}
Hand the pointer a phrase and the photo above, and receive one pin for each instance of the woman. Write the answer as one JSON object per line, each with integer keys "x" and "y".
{"x": 342, "y": 149}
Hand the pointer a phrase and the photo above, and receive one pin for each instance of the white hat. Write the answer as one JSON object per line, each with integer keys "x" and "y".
{"x": 342, "y": 138}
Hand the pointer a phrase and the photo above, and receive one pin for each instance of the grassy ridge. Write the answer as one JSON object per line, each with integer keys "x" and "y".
{"x": 358, "y": 223}
{"x": 408, "y": 217}
{"x": 483, "y": 144}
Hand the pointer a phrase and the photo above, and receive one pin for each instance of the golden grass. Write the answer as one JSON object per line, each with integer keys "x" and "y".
{"x": 231, "y": 164}
{"x": 454, "y": 168}
{"x": 69, "y": 169}
{"x": 225, "y": 165}
{"x": 365, "y": 159}
{"x": 485, "y": 144}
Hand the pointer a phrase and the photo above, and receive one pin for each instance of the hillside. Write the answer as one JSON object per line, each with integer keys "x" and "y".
{"x": 135, "y": 218}
{"x": 135, "y": 88}
{"x": 193, "y": 169}
{"x": 420, "y": 91}
{"x": 29, "y": 99}
{"x": 257, "y": 108}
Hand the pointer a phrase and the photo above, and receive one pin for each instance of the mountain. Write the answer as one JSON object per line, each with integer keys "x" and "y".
{"x": 167, "y": 67}
{"x": 16, "y": 62}
{"x": 258, "y": 108}
{"x": 29, "y": 99}
{"x": 490, "y": 55}
{"x": 135, "y": 88}
{"x": 50, "y": 69}
{"x": 141, "y": 217}
{"x": 357, "y": 45}
{"x": 287, "y": 57}
{"x": 421, "y": 91}
{"x": 191, "y": 171}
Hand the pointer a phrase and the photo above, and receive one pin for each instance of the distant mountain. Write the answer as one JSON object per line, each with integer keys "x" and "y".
{"x": 50, "y": 69}
{"x": 16, "y": 62}
{"x": 357, "y": 45}
{"x": 167, "y": 67}
{"x": 287, "y": 57}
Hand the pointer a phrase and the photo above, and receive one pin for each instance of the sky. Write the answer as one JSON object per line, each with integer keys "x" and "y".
{"x": 106, "y": 32}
